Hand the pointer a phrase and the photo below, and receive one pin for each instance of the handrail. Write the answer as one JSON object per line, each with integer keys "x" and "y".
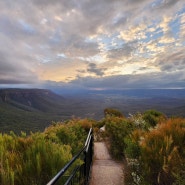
{"x": 64, "y": 169}
{"x": 88, "y": 137}
{"x": 87, "y": 151}
{"x": 72, "y": 175}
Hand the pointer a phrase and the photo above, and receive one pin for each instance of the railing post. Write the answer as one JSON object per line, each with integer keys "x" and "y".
{"x": 85, "y": 167}
{"x": 88, "y": 154}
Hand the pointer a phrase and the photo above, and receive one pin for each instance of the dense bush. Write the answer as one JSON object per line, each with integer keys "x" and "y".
{"x": 158, "y": 154}
{"x": 112, "y": 112}
{"x": 30, "y": 160}
{"x": 36, "y": 158}
{"x": 163, "y": 151}
{"x": 117, "y": 129}
{"x": 153, "y": 117}
{"x": 153, "y": 145}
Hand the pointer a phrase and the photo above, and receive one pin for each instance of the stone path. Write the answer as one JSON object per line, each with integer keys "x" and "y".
{"x": 105, "y": 171}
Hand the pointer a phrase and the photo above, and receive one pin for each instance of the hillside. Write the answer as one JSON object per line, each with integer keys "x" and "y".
{"x": 31, "y": 99}
{"x": 29, "y": 109}
{"x": 34, "y": 109}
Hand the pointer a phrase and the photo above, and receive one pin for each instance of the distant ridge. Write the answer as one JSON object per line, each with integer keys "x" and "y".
{"x": 31, "y": 99}
{"x": 30, "y": 109}
{"x": 35, "y": 109}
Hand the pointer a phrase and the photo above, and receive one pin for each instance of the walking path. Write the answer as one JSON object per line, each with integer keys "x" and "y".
{"x": 105, "y": 171}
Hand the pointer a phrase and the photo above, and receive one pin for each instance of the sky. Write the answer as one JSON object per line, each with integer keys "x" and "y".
{"x": 92, "y": 44}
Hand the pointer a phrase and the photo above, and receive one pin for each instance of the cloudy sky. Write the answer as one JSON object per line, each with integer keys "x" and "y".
{"x": 93, "y": 43}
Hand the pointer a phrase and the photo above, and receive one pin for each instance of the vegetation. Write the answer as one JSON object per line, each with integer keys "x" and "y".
{"x": 36, "y": 158}
{"x": 34, "y": 109}
{"x": 112, "y": 112}
{"x": 152, "y": 144}
{"x": 15, "y": 119}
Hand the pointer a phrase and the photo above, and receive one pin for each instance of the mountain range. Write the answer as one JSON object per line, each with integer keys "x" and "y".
{"x": 34, "y": 109}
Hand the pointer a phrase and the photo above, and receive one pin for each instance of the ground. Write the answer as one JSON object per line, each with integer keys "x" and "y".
{"x": 105, "y": 171}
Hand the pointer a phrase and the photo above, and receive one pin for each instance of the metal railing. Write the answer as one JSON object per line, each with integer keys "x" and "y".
{"x": 81, "y": 173}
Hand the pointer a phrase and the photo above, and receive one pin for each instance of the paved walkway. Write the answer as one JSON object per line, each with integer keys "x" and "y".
{"x": 105, "y": 171}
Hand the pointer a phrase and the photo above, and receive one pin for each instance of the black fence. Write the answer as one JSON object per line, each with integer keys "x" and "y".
{"x": 80, "y": 173}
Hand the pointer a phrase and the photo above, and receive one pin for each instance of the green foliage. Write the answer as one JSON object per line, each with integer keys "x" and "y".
{"x": 152, "y": 117}
{"x": 42, "y": 160}
{"x": 73, "y": 133}
{"x": 117, "y": 129}
{"x": 139, "y": 122}
{"x": 153, "y": 146}
{"x": 36, "y": 158}
{"x": 132, "y": 149}
{"x": 30, "y": 160}
{"x": 13, "y": 118}
{"x": 112, "y": 112}
{"x": 158, "y": 153}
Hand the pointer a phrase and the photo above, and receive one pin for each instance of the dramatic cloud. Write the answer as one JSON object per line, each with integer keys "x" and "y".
{"x": 103, "y": 43}
{"x": 172, "y": 62}
{"x": 93, "y": 69}
{"x": 152, "y": 80}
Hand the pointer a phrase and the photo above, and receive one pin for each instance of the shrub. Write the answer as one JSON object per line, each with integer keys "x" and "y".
{"x": 161, "y": 153}
{"x": 152, "y": 117}
{"x": 42, "y": 160}
{"x": 112, "y": 112}
{"x": 36, "y": 158}
{"x": 73, "y": 133}
{"x": 30, "y": 160}
{"x": 117, "y": 129}
{"x": 132, "y": 141}
{"x": 139, "y": 122}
